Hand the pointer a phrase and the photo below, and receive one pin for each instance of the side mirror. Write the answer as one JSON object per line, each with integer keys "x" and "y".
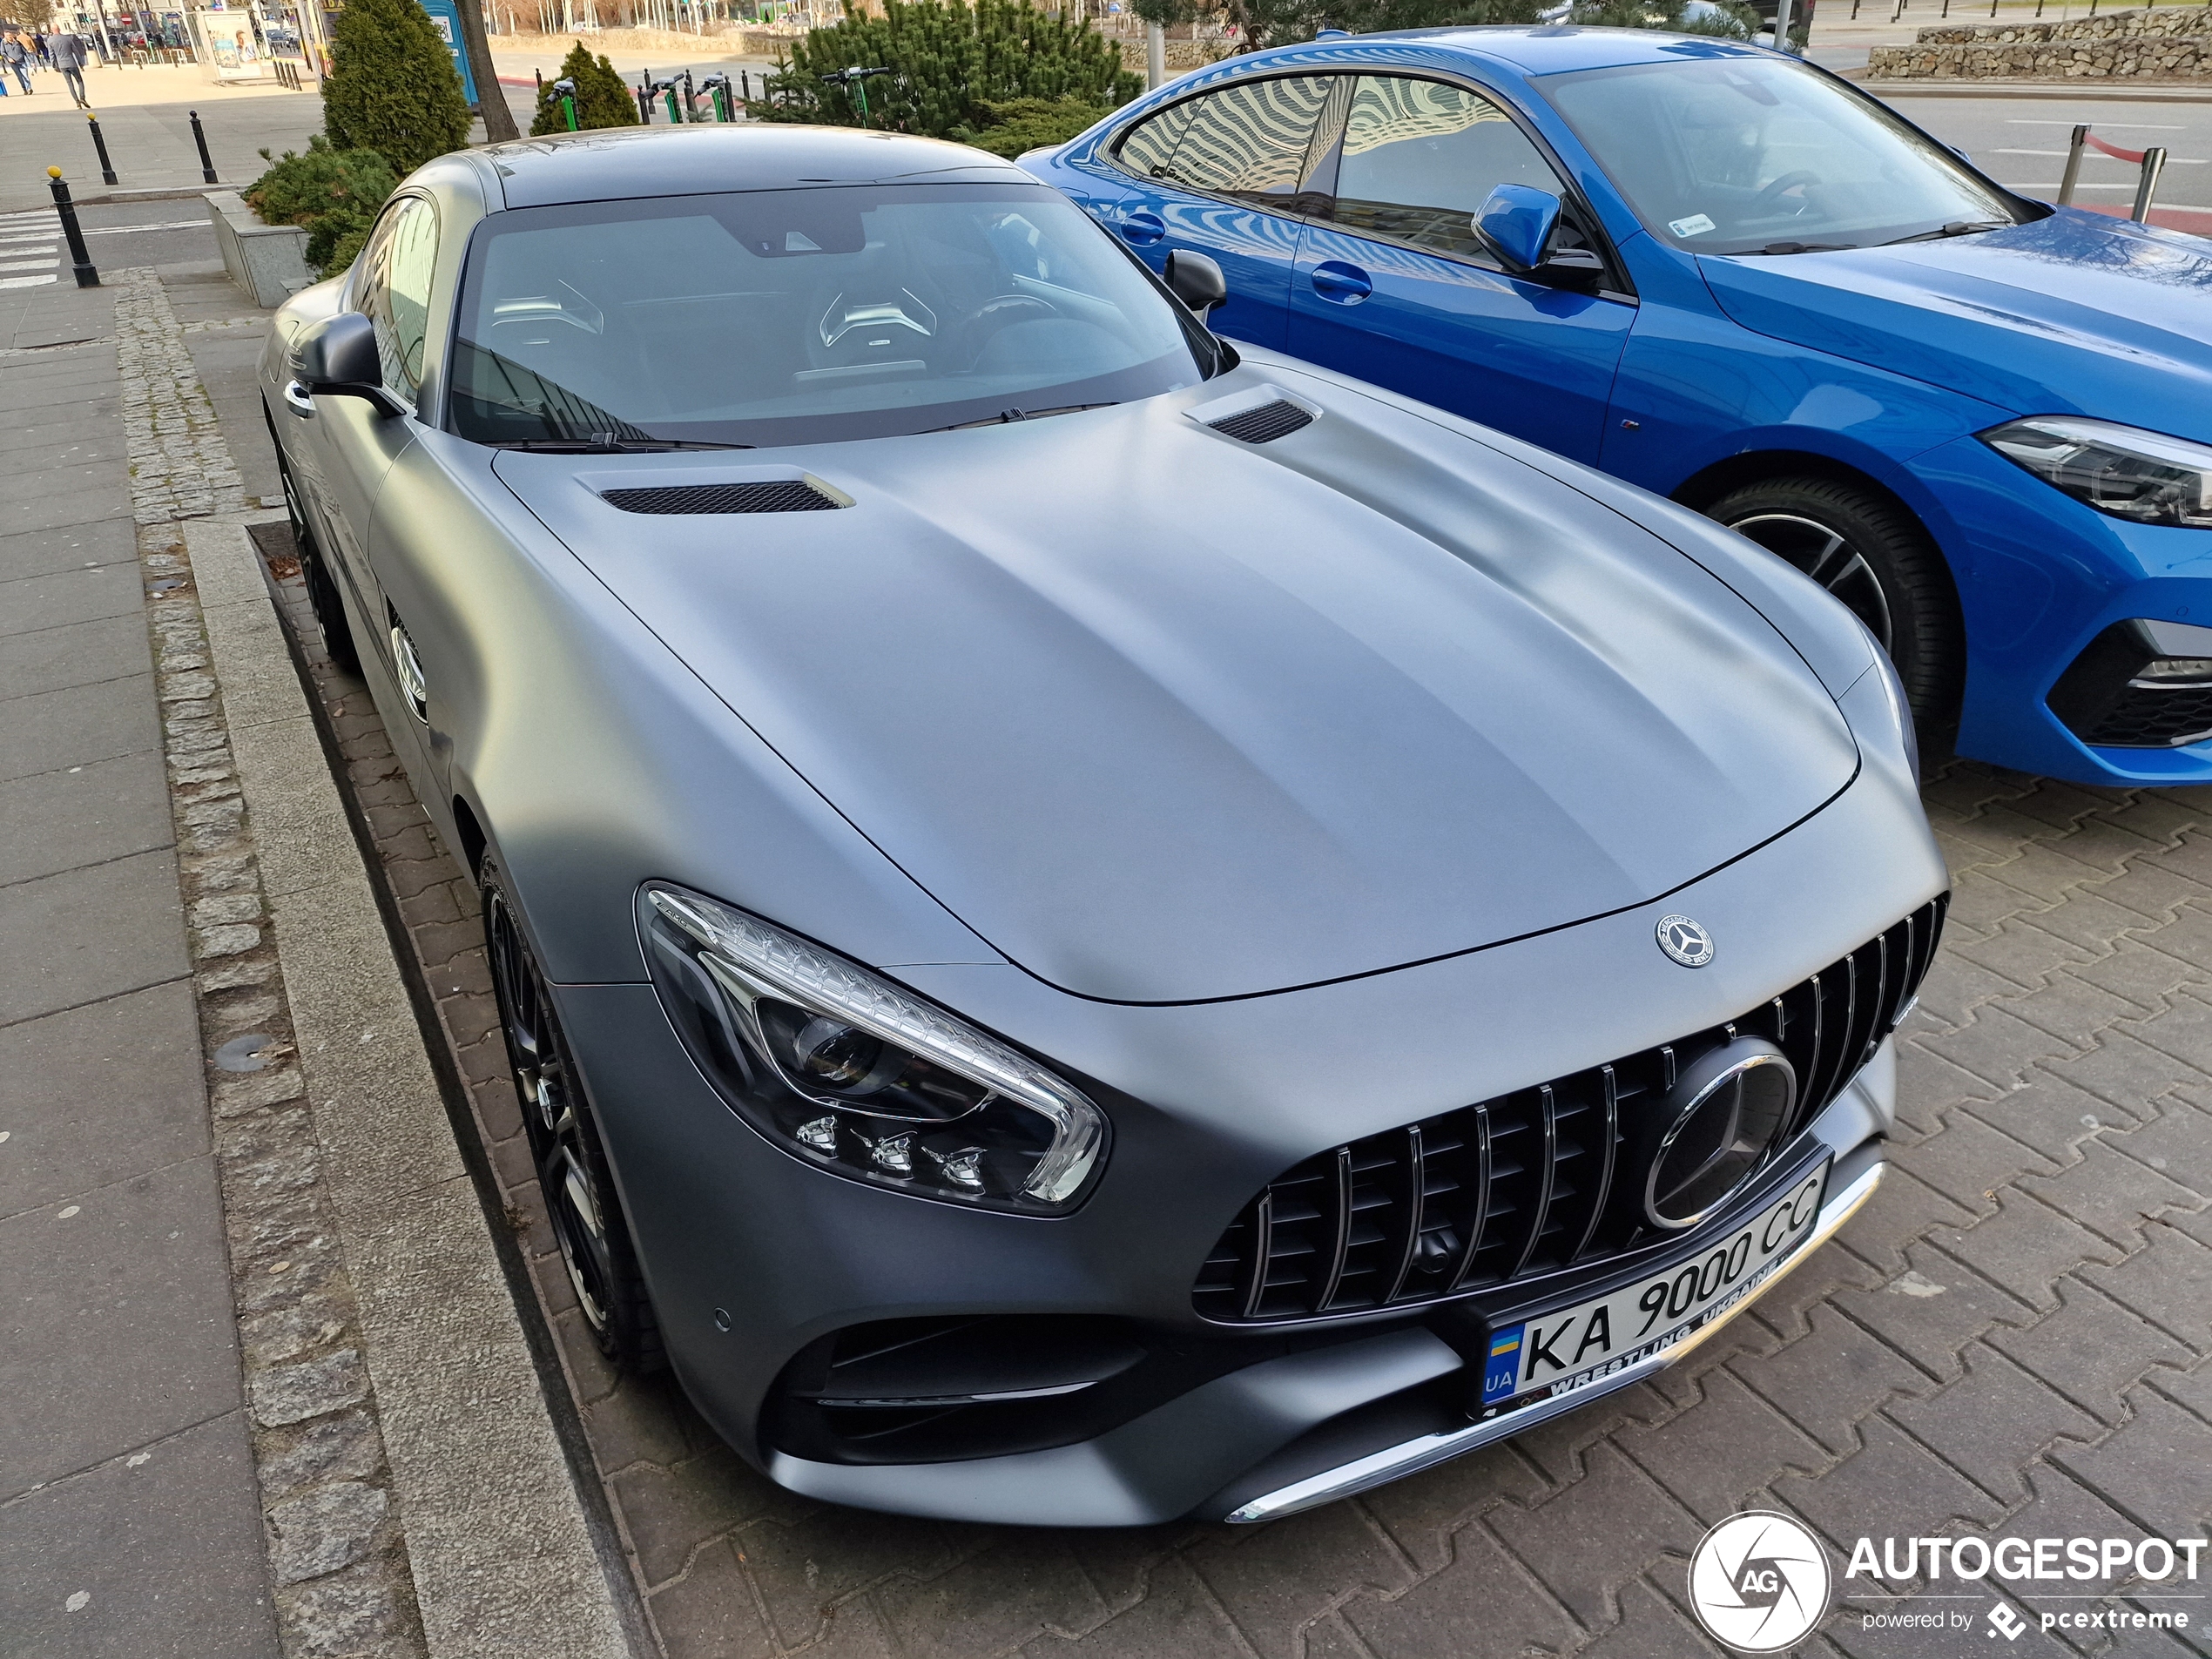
{"x": 337, "y": 357}
{"x": 1571, "y": 268}
{"x": 1197, "y": 280}
{"x": 1516, "y": 221}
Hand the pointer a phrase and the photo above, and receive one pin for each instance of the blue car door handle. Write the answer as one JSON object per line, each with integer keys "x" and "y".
{"x": 1345, "y": 284}
{"x": 1143, "y": 229}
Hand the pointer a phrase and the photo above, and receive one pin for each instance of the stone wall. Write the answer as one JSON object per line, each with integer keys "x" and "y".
{"x": 2172, "y": 43}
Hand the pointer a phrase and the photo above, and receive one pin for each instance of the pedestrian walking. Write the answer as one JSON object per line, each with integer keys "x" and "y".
{"x": 17, "y": 57}
{"x": 67, "y": 53}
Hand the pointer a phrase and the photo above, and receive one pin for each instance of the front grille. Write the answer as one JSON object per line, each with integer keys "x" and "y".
{"x": 1530, "y": 1182}
{"x": 1264, "y": 424}
{"x": 773, "y": 495}
{"x": 2153, "y": 717}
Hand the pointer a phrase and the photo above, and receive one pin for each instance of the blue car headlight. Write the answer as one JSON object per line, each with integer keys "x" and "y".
{"x": 855, "y": 1075}
{"x": 2122, "y": 471}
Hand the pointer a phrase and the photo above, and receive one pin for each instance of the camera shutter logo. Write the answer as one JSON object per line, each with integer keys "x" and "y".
{"x": 1684, "y": 940}
{"x": 1759, "y": 1583}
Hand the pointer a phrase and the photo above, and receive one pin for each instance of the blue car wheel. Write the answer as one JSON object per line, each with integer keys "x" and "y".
{"x": 1873, "y": 556}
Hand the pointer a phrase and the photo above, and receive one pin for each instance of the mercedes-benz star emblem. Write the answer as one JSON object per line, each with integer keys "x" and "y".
{"x": 1720, "y": 1118}
{"x": 1759, "y": 1583}
{"x": 1685, "y": 941}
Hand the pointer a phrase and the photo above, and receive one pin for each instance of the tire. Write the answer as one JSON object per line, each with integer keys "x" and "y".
{"x": 571, "y": 1161}
{"x": 1874, "y": 556}
{"x": 322, "y": 591}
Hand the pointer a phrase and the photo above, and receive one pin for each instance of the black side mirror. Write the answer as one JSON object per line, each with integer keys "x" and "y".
{"x": 1571, "y": 268}
{"x": 337, "y": 357}
{"x": 1197, "y": 280}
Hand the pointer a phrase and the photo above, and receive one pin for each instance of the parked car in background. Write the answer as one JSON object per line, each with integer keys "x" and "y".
{"x": 1091, "y": 926}
{"x": 1984, "y": 423}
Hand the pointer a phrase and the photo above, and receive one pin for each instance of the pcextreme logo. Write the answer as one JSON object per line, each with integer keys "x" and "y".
{"x": 1759, "y": 1583}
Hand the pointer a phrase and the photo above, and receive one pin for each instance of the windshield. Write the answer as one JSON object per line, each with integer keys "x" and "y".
{"x": 804, "y": 316}
{"x": 1745, "y": 154}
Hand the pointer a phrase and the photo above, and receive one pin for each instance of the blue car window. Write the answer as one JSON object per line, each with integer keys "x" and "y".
{"x": 1248, "y": 141}
{"x": 1420, "y": 157}
{"x": 1151, "y": 145}
{"x": 1750, "y": 155}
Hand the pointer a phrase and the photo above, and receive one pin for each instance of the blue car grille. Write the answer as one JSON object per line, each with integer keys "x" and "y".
{"x": 1530, "y": 1182}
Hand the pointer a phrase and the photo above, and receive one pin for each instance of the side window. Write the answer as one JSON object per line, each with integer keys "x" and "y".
{"x": 1420, "y": 158}
{"x": 1248, "y": 141}
{"x": 395, "y": 292}
{"x": 1147, "y": 150}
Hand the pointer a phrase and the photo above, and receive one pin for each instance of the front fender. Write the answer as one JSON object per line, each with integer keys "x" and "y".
{"x": 594, "y": 760}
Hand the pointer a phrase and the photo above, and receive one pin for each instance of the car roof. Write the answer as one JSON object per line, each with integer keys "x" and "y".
{"x": 615, "y": 164}
{"x": 1547, "y": 49}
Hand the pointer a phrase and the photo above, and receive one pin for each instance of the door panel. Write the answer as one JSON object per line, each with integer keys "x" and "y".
{"x": 1397, "y": 287}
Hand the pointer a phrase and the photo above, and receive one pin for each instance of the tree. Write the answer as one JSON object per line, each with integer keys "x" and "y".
{"x": 950, "y": 63}
{"x": 393, "y": 88}
{"x": 334, "y": 193}
{"x": 1278, "y": 23}
{"x": 602, "y": 98}
{"x": 491, "y": 103}
{"x": 1024, "y": 123}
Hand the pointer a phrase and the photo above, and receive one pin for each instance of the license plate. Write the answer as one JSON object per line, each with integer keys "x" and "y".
{"x": 1554, "y": 1353}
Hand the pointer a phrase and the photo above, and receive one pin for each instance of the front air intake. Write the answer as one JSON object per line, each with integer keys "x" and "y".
{"x": 1264, "y": 424}
{"x": 1533, "y": 1181}
{"x": 769, "y": 495}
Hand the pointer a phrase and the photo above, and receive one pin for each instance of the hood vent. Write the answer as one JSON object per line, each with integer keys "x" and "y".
{"x": 766, "y": 495}
{"x": 1264, "y": 424}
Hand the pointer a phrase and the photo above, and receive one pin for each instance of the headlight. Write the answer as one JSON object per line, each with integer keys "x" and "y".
{"x": 854, "y": 1074}
{"x": 2118, "y": 469}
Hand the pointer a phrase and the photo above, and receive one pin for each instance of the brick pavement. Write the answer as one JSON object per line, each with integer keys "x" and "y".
{"x": 2011, "y": 1338}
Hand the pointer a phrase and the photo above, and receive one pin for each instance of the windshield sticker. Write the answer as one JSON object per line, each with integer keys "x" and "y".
{"x": 1696, "y": 225}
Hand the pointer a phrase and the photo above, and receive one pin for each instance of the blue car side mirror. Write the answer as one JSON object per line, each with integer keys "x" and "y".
{"x": 1516, "y": 221}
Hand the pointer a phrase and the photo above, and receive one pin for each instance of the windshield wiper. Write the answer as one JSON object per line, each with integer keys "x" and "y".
{"x": 609, "y": 446}
{"x": 1806, "y": 248}
{"x": 1963, "y": 228}
{"x": 1006, "y": 416}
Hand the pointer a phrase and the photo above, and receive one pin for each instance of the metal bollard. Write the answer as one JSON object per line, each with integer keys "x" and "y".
{"x": 2073, "y": 167}
{"x": 100, "y": 148}
{"x": 199, "y": 137}
{"x": 2154, "y": 164}
{"x": 86, "y": 276}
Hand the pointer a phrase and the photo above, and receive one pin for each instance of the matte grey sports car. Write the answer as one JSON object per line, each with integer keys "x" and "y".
{"x": 1092, "y": 926}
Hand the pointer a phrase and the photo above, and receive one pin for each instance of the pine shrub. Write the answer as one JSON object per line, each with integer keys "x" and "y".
{"x": 1017, "y": 126}
{"x": 603, "y": 97}
{"x": 393, "y": 87}
{"x": 333, "y": 193}
{"x": 951, "y": 62}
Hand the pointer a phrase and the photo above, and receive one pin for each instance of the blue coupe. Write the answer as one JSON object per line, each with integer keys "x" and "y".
{"x": 1983, "y": 422}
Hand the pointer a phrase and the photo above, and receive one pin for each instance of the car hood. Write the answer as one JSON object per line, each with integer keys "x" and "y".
{"x": 2078, "y": 313}
{"x": 1165, "y": 716}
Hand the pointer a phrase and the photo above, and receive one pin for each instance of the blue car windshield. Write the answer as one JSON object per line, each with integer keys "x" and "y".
{"x": 804, "y": 316}
{"x": 1745, "y": 154}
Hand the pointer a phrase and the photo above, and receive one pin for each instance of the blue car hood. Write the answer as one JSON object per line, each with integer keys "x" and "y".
{"x": 2078, "y": 313}
{"x": 1166, "y": 717}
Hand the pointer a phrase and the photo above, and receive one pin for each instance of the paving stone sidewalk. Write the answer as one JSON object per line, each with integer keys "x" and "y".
{"x": 2012, "y": 1338}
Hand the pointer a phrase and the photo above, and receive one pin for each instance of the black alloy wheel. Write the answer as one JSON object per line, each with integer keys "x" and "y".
{"x": 1874, "y": 556}
{"x": 572, "y": 1173}
{"x": 322, "y": 592}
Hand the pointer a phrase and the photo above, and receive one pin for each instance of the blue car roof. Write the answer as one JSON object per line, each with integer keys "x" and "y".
{"x": 1549, "y": 49}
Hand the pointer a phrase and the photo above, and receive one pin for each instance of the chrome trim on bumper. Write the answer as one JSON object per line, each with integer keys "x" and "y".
{"x": 1397, "y": 1461}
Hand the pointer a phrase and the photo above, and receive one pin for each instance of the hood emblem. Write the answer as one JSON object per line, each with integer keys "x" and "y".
{"x": 1685, "y": 941}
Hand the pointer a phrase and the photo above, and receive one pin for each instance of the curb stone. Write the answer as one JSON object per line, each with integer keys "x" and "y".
{"x": 416, "y": 1501}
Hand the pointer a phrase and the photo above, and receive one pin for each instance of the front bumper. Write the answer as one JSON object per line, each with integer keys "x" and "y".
{"x": 755, "y": 1260}
{"x": 1295, "y": 1432}
{"x": 2040, "y": 577}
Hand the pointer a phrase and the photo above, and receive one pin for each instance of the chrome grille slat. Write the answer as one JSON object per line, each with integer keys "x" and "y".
{"x": 1531, "y": 1180}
